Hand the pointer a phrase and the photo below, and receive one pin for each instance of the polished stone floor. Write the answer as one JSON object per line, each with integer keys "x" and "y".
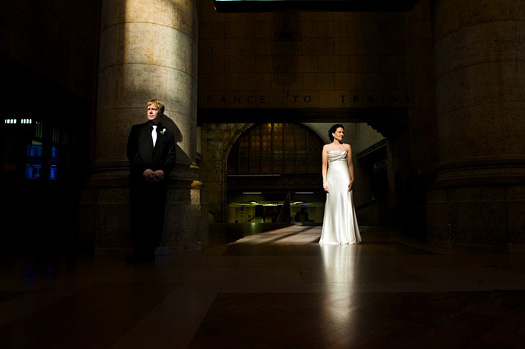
{"x": 278, "y": 289}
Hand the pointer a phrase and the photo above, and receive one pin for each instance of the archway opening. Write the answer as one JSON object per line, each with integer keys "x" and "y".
{"x": 274, "y": 175}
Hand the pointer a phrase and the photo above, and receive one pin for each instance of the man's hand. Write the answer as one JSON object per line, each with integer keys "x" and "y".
{"x": 153, "y": 176}
{"x": 159, "y": 175}
{"x": 149, "y": 175}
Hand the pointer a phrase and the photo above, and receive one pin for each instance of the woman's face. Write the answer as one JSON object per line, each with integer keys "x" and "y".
{"x": 153, "y": 113}
{"x": 339, "y": 134}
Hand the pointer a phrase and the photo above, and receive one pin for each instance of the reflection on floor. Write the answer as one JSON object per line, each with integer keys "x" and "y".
{"x": 278, "y": 289}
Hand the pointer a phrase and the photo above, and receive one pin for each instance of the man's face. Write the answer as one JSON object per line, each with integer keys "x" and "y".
{"x": 153, "y": 113}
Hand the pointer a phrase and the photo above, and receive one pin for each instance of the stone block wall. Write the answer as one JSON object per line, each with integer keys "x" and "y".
{"x": 323, "y": 62}
{"x": 317, "y": 60}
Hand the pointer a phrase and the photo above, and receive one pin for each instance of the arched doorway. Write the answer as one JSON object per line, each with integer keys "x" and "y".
{"x": 274, "y": 171}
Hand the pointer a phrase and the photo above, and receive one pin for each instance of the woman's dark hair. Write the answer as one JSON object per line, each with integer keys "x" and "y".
{"x": 332, "y": 130}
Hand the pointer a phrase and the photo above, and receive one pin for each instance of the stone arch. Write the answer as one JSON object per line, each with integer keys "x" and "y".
{"x": 232, "y": 142}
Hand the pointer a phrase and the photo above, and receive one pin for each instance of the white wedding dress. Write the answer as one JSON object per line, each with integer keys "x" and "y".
{"x": 339, "y": 222}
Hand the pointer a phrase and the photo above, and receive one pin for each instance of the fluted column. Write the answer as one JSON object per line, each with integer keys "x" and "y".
{"x": 478, "y": 198}
{"x": 148, "y": 49}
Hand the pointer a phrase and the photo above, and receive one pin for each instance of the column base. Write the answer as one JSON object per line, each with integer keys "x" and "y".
{"x": 104, "y": 220}
{"x": 477, "y": 218}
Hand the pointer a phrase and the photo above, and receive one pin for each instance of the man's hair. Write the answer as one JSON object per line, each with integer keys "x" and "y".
{"x": 157, "y": 103}
{"x": 332, "y": 130}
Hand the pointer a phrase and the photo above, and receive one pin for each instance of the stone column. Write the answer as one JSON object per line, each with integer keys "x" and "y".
{"x": 148, "y": 49}
{"x": 479, "y": 196}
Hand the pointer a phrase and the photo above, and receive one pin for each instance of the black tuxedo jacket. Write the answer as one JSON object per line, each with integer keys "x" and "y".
{"x": 143, "y": 155}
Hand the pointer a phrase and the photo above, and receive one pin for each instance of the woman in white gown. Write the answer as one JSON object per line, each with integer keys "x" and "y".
{"x": 339, "y": 222}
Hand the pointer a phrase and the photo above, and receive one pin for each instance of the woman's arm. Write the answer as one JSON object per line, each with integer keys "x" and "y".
{"x": 350, "y": 166}
{"x": 325, "y": 168}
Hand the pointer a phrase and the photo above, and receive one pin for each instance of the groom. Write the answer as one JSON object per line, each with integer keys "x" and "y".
{"x": 151, "y": 155}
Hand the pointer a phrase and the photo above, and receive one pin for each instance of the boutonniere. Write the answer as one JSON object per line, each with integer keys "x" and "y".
{"x": 163, "y": 131}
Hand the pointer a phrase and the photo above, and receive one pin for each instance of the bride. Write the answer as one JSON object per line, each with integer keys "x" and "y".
{"x": 339, "y": 222}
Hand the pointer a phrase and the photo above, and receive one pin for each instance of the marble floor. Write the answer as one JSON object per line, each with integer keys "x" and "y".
{"x": 278, "y": 289}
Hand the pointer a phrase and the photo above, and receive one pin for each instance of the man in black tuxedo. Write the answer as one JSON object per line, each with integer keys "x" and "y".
{"x": 151, "y": 154}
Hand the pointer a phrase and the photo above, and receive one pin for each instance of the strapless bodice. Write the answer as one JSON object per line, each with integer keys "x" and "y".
{"x": 336, "y": 155}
